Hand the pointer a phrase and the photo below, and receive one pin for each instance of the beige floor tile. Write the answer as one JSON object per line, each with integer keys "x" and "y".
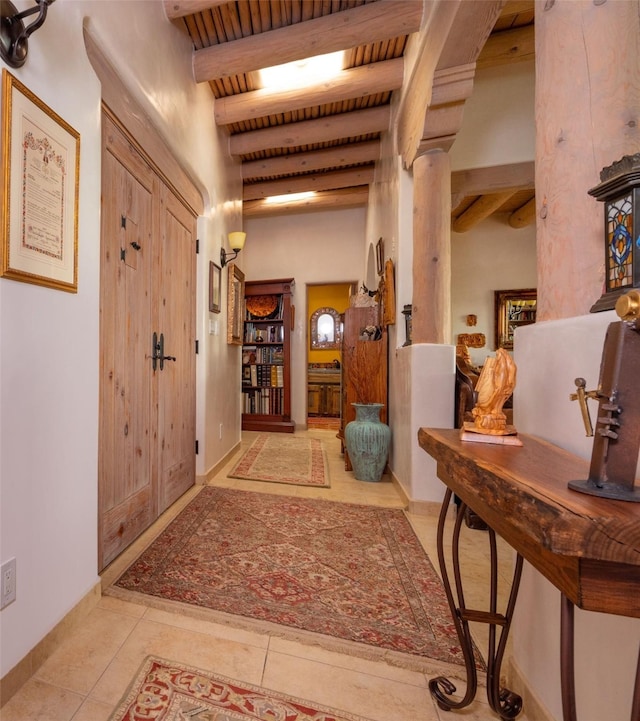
{"x": 352, "y": 663}
{"x": 117, "y": 605}
{"x": 201, "y": 650}
{"x": 93, "y": 711}
{"x": 82, "y": 659}
{"x": 220, "y": 631}
{"x": 359, "y": 693}
{"x": 37, "y": 701}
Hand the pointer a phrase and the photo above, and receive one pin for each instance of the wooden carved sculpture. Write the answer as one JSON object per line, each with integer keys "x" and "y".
{"x": 495, "y": 384}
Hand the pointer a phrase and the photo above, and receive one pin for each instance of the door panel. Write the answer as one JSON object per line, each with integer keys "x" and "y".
{"x": 176, "y": 389}
{"x": 125, "y": 481}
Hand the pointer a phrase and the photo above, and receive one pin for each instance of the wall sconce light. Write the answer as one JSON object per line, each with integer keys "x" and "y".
{"x": 14, "y": 35}
{"x": 236, "y": 241}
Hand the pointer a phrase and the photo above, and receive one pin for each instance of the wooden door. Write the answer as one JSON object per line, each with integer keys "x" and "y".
{"x": 126, "y": 493}
{"x": 176, "y": 321}
{"x": 147, "y": 406}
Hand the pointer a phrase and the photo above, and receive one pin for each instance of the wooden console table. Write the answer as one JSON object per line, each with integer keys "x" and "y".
{"x": 588, "y": 547}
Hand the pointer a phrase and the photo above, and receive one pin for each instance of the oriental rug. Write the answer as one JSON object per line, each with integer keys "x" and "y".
{"x": 348, "y": 577}
{"x": 169, "y": 691}
{"x": 284, "y": 458}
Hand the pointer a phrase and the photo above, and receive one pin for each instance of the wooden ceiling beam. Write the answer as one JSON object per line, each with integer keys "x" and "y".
{"x": 494, "y": 179}
{"x": 485, "y": 206}
{"x": 453, "y": 37}
{"x": 416, "y": 94}
{"x": 309, "y": 132}
{"x": 349, "y": 84}
{"x": 347, "y": 198}
{"x": 306, "y": 183}
{"x": 508, "y": 46}
{"x": 351, "y": 154}
{"x": 347, "y": 29}
{"x": 175, "y": 9}
{"x": 524, "y": 215}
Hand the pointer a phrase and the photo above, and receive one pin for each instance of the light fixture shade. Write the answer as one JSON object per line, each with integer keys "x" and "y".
{"x": 236, "y": 240}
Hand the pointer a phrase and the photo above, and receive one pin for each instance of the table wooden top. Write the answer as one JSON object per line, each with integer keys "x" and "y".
{"x": 522, "y": 493}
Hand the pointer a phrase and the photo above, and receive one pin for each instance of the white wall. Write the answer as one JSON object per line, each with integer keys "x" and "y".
{"x": 313, "y": 247}
{"x": 499, "y": 119}
{"x": 49, "y": 339}
{"x": 492, "y": 256}
{"x": 549, "y": 356}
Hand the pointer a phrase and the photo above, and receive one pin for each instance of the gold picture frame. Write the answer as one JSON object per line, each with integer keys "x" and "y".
{"x": 235, "y": 305}
{"x": 40, "y": 188}
{"x": 215, "y": 287}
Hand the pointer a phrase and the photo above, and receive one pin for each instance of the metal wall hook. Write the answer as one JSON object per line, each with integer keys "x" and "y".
{"x": 14, "y": 34}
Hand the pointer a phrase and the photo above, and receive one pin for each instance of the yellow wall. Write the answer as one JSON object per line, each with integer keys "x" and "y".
{"x": 321, "y": 296}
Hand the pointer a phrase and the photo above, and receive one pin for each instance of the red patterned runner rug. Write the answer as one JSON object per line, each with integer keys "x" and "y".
{"x": 284, "y": 458}
{"x": 351, "y": 578}
{"x": 173, "y": 692}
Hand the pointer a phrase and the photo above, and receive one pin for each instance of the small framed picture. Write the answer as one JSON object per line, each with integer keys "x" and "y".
{"x": 235, "y": 305}
{"x": 380, "y": 256}
{"x": 215, "y": 279}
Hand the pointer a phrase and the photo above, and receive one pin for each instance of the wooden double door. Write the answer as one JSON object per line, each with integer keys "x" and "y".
{"x": 147, "y": 345}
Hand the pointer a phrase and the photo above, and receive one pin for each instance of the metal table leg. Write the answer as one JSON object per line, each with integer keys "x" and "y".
{"x": 503, "y": 701}
{"x": 567, "y": 667}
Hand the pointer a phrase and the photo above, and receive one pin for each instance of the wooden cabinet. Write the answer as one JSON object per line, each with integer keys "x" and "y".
{"x": 323, "y": 393}
{"x": 364, "y": 365}
{"x": 266, "y": 356}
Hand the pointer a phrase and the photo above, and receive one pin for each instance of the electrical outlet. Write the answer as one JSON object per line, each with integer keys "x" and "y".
{"x": 7, "y": 582}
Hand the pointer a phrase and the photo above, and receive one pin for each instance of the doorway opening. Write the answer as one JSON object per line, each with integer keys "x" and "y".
{"x": 326, "y": 304}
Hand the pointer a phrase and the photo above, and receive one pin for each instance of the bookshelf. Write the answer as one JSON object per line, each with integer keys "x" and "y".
{"x": 266, "y": 356}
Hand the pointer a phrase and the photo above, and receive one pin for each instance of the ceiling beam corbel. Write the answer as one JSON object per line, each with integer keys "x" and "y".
{"x": 443, "y": 120}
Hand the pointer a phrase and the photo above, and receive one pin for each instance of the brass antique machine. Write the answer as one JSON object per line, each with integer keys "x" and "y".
{"x": 616, "y": 442}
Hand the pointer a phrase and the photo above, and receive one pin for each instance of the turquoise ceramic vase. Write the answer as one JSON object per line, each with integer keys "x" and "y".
{"x": 367, "y": 440}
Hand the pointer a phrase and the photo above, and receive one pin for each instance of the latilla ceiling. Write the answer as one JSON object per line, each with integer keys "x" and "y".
{"x": 326, "y": 138}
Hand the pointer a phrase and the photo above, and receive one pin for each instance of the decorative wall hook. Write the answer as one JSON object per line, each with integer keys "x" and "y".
{"x": 13, "y": 33}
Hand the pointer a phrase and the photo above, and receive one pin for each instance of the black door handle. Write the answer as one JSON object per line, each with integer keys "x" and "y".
{"x": 158, "y": 352}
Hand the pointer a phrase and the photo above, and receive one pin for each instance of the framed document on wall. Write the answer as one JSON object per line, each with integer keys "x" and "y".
{"x": 41, "y": 168}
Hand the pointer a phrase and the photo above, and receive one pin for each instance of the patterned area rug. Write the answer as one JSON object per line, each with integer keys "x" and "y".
{"x": 348, "y": 577}
{"x": 284, "y": 458}
{"x": 173, "y": 692}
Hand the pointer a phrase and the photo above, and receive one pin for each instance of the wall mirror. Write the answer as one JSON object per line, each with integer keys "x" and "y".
{"x": 513, "y": 308}
{"x": 326, "y": 329}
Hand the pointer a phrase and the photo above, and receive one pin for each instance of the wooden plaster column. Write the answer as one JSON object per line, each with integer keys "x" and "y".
{"x": 587, "y": 117}
{"x": 431, "y": 314}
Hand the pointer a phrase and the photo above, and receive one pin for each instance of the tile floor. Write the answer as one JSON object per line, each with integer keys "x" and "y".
{"x": 86, "y": 677}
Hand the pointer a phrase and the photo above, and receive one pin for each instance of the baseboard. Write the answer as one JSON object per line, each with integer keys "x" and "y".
{"x": 420, "y": 508}
{"x": 203, "y": 480}
{"x": 13, "y": 681}
{"x": 534, "y": 709}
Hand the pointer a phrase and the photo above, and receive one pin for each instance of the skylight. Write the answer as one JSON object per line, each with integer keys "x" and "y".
{"x": 301, "y": 73}
{"x": 289, "y": 197}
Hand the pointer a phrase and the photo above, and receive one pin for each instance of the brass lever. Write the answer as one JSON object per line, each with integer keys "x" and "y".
{"x": 581, "y": 395}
